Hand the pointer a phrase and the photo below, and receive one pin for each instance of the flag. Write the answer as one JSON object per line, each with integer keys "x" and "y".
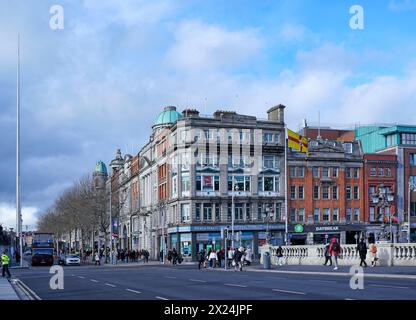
{"x": 296, "y": 141}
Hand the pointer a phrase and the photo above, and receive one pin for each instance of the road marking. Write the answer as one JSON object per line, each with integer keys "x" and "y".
{"x": 27, "y": 290}
{"x": 133, "y": 291}
{"x": 287, "y": 291}
{"x": 315, "y": 280}
{"x": 110, "y": 285}
{"x": 349, "y": 299}
{"x": 386, "y": 286}
{"x": 93, "y": 280}
{"x": 196, "y": 280}
{"x": 171, "y": 277}
{"x": 234, "y": 285}
{"x": 81, "y": 277}
{"x": 161, "y": 298}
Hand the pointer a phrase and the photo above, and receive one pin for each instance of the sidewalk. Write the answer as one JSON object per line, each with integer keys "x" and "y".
{"x": 6, "y": 290}
{"x": 142, "y": 264}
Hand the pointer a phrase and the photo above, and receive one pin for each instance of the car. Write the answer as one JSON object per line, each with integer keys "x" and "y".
{"x": 72, "y": 260}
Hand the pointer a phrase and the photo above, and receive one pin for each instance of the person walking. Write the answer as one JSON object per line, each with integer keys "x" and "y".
{"x": 174, "y": 256}
{"x": 5, "y": 264}
{"x": 97, "y": 259}
{"x": 373, "y": 254}
{"x": 279, "y": 254}
{"x": 327, "y": 255}
{"x": 213, "y": 259}
{"x": 362, "y": 250}
{"x": 248, "y": 255}
{"x": 335, "y": 250}
{"x": 230, "y": 254}
{"x": 201, "y": 258}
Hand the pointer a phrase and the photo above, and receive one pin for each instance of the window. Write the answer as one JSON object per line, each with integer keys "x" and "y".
{"x": 316, "y": 192}
{"x": 315, "y": 172}
{"x": 207, "y": 211}
{"x": 185, "y": 184}
{"x": 372, "y": 190}
{"x": 238, "y": 211}
{"x": 300, "y": 192}
{"x": 356, "y": 214}
{"x": 348, "y": 172}
{"x": 335, "y": 214}
{"x": 356, "y": 193}
{"x": 292, "y": 192}
{"x": 301, "y": 215}
{"x": 268, "y": 137}
{"x": 241, "y": 183}
{"x": 372, "y": 214}
{"x": 412, "y": 180}
{"x": 268, "y": 183}
{"x": 335, "y": 192}
{"x": 413, "y": 209}
{"x": 391, "y": 141}
{"x": 207, "y": 183}
{"x": 325, "y": 172}
{"x": 388, "y": 172}
{"x": 356, "y": 173}
{"x": 348, "y": 193}
{"x": 412, "y": 158}
{"x": 248, "y": 212}
{"x": 292, "y": 215}
{"x": 259, "y": 212}
{"x": 348, "y": 215}
{"x": 175, "y": 186}
{"x": 229, "y": 211}
{"x": 334, "y": 172}
{"x": 269, "y": 162}
{"x": 409, "y": 138}
{"x": 325, "y": 193}
{"x": 380, "y": 172}
{"x": 197, "y": 211}
{"x": 292, "y": 172}
{"x": 325, "y": 214}
{"x": 372, "y": 172}
{"x": 348, "y": 147}
{"x": 185, "y": 212}
{"x": 300, "y": 172}
{"x": 316, "y": 215}
{"x": 217, "y": 212}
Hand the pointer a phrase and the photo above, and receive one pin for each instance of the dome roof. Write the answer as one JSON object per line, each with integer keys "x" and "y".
{"x": 100, "y": 167}
{"x": 169, "y": 115}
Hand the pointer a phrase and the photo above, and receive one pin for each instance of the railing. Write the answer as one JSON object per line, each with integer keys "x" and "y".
{"x": 398, "y": 254}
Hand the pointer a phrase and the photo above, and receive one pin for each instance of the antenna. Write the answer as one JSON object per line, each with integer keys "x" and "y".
{"x": 319, "y": 125}
{"x": 205, "y": 107}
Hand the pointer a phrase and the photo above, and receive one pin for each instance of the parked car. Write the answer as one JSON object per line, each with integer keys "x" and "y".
{"x": 72, "y": 260}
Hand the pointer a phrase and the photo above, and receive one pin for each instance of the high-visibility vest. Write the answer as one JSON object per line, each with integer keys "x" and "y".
{"x": 5, "y": 259}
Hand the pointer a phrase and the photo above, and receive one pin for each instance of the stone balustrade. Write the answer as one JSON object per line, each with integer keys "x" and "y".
{"x": 398, "y": 254}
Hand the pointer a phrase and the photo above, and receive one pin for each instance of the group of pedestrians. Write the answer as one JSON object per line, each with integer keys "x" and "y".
{"x": 237, "y": 258}
{"x": 127, "y": 256}
{"x": 173, "y": 256}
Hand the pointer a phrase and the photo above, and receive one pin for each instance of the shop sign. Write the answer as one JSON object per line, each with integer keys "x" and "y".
{"x": 327, "y": 228}
{"x": 298, "y": 228}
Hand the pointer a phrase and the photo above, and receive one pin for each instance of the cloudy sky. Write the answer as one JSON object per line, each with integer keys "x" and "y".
{"x": 98, "y": 84}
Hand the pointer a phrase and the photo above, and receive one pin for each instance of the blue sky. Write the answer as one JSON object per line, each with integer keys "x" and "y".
{"x": 98, "y": 84}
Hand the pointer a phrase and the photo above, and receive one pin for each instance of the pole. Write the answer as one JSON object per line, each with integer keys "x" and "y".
{"x": 111, "y": 225}
{"x": 408, "y": 212}
{"x": 232, "y": 214}
{"x": 18, "y": 209}
{"x": 286, "y": 202}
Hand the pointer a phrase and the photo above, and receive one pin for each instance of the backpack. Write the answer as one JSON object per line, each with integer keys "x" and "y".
{"x": 335, "y": 247}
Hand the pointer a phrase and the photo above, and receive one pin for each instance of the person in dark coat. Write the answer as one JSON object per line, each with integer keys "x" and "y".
{"x": 174, "y": 256}
{"x": 327, "y": 255}
{"x": 201, "y": 258}
{"x": 362, "y": 250}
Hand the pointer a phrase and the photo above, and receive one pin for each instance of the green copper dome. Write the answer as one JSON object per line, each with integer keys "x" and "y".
{"x": 100, "y": 167}
{"x": 168, "y": 116}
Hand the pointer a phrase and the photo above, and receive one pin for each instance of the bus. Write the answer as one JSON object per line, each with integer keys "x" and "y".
{"x": 42, "y": 249}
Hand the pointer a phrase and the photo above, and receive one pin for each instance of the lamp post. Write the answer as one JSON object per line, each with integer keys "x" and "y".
{"x": 384, "y": 199}
{"x": 234, "y": 188}
{"x": 412, "y": 188}
{"x": 268, "y": 215}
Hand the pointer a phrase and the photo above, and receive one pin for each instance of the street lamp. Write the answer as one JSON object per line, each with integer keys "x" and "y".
{"x": 234, "y": 188}
{"x": 412, "y": 188}
{"x": 384, "y": 199}
{"x": 268, "y": 215}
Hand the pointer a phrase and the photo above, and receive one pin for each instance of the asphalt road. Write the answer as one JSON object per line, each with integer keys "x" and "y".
{"x": 185, "y": 282}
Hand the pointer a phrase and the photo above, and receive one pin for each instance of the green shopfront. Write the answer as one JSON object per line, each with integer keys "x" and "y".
{"x": 189, "y": 240}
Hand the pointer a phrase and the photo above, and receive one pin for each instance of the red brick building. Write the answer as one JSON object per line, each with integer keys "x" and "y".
{"x": 328, "y": 133}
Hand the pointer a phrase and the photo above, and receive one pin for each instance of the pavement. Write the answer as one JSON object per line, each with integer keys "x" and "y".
{"x": 6, "y": 290}
{"x": 155, "y": 281}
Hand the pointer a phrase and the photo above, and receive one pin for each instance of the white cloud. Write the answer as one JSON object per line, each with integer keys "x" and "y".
{"x": 290, "y": 32}
{"x": 402, "y": 5}
{"x": 201, "y": 46}
{"x": 8, "y": 216}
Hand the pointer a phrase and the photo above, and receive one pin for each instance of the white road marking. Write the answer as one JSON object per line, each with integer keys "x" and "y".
{"x": 110, "y": 285}
{"x": 349, "y": 299}
{"x": 171, "y": 277}
{"x": 385, "y": 286}
{"x": 131, "y": 290}
{"x": 234, "y": 285}
{"x": 315, "y": 280}
{"x": 196, "y": 280}
{"x": 81, "y": 277}
{"x": 161, "y": 298}
{"x": 287, "y": 291}
{"x": 93, "y": 280}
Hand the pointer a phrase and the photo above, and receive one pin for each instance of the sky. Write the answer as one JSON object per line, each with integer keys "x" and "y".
{"x": 99, "y": 83}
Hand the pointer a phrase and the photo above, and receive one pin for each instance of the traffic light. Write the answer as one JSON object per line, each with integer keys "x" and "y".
{"x": 224, "y": 233}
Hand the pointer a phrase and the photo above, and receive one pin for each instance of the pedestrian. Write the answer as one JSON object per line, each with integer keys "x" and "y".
{"x": 238, "y": 255}
{"x": 247, "y": 257}
{"x": 219, "y": 258}
{"x": 230, "y": 257}
{"x": 161, "y": 255}
{"x": 97, "y": 259}
{"x": 170, "y": 256}
{"x": 335, "y": 250}
{"x": 327, "y": 255}
{"x": 279, "y": 254}
{"x": 362, "y": 250}
{"x": 212, "y": 259}
{"x": 201, "y": 258}
{"x": 373, "y": 254}
{"x": 5, "y": 264}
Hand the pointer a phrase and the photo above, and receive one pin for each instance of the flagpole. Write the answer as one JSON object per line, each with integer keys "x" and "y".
{"x": 286, "y": 202}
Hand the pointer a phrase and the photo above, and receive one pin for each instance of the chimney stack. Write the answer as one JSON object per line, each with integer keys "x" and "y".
{"x": 277, "y": 113}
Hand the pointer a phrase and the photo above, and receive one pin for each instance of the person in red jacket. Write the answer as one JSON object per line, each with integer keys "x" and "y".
{"x": 335, "y": 250}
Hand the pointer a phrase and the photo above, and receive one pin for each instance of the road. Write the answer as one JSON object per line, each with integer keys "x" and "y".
{"x": 186, "y": 282}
